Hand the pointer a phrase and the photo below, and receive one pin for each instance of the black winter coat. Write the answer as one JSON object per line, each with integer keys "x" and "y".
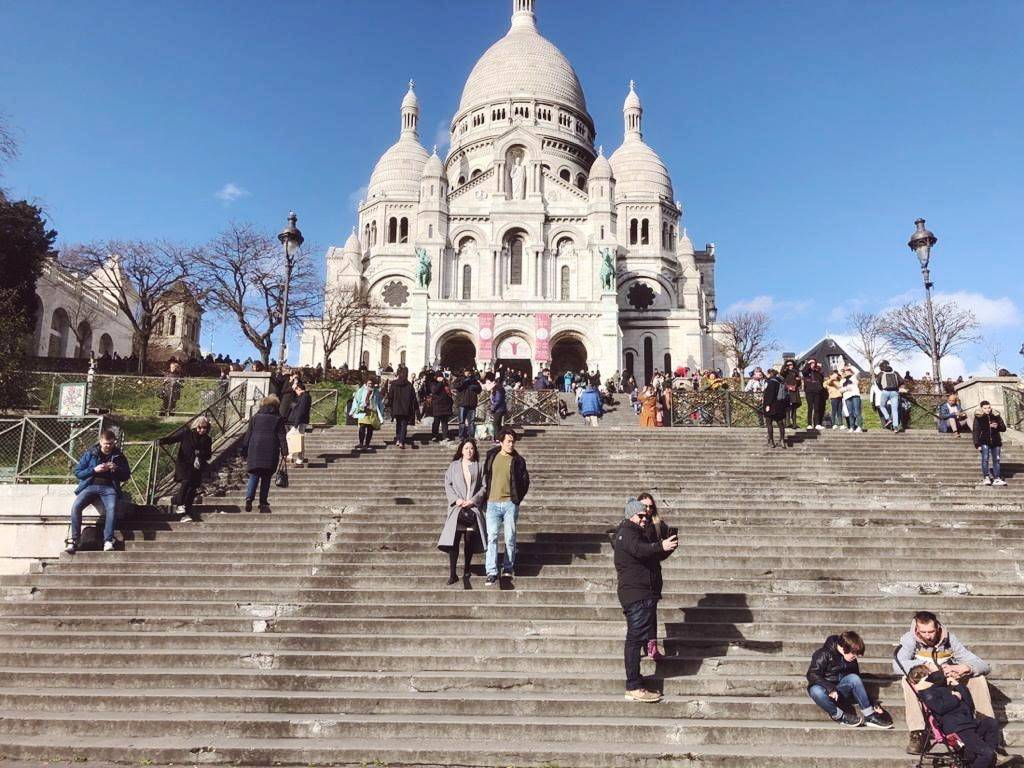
{"x": 287, "y": 400}
{"x": 828, "y": 666}
{"x": 520, "y": 481}
{"x": 638, "y": 556}
{"x": 441, "y": 400}
{"x": 986, "y": 429}
{"x": 299, "y": 413}
{"x": 814, "y": 381}
{"x": 776, "y": 409}
{"x": 265, "y": 441}
{"x": 191, "y": 445}
{"x": 954, "y": 715}
{"x": 401, "y": 399}
{"x": 468, "y": 389}
{"x": 792, "y": 381}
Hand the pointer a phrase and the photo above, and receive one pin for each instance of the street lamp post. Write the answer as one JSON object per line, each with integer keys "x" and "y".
{"x": 291, "y": 238}
{"x": 921, "y": 243}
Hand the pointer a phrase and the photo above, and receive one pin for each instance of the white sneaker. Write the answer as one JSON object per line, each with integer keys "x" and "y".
{"x": 999, "y": 481}
{"x": 844, "y": 427}
{"x": 819, "y": 427}
{"x": 810, "y": 428}
{"x": 835, "y": 426}
{"x": 858, "y": 429}
{"x": 186, "y": 519}
{"x": 71, "y": 547}
{"x": 108, "y": 546}
{"x": 986, "y": 481}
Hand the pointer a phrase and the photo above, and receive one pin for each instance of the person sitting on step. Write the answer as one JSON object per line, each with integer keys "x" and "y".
{"x": 930, "y": 643}
{"x": 950, "y": 703}
{"x": 833, "y": 679}
{"x": 100, "y": 472}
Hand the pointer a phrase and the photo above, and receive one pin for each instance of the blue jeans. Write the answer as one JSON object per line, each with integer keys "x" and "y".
{"x": 499, "y": 512}
{"x": 837, "y": 410}
{"x": 467, "y": 418}
{"x": 990, "y": 453}
{"x": 259, "y": 477}
{"x": 107, "y": 496}
{"x": 890, "y": 401}
{"x": 849, "y": 687}
{"x": 856, "y": 419}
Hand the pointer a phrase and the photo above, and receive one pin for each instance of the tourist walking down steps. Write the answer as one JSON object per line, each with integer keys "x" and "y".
{"x": 464, "y": 487}
{"x": 194, "y": 450}
{"x": 506, "y": 483}
{"x": 264, "y": 448}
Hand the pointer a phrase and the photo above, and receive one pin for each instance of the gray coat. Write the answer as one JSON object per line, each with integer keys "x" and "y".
{"x": 455, "y": 489}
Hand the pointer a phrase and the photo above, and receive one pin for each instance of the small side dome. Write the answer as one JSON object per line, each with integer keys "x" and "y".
{"x": 639, "y": 172}
{"x": 399, "y": 170}
{"x": 601, "y": 169}
{"x": 433, "y": 168}
{"x": 352, "y": 244}
{"x": 684, "y": 246}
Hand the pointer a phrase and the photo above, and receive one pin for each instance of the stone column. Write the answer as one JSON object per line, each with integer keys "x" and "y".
{"x": 418, "y": 347}
{"x": 978, "y": 388}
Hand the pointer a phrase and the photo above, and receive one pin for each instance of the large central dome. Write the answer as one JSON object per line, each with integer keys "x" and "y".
{"x": 523, "y": 64}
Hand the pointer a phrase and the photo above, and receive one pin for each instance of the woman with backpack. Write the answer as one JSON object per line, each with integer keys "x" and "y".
{"x": 792, "y": 381}
{"x": 776, "y": 407}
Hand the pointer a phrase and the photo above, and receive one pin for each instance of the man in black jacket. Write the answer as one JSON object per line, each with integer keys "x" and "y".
{"x": 639, "y": 550}
{"x": 953, "y": 707}
{"x": 988, "y": 426}
{"x": 467, "y": 397}
{"x": 506, "y": 483}
{"x": 298, "y": 420}
{"x": 833, "y": 678}
{"x": 889, "y": 383}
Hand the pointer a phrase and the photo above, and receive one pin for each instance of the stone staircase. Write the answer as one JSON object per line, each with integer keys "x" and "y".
{"x": 323, "y": 632}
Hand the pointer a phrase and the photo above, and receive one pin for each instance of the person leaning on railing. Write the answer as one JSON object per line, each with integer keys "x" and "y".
{"x": 195, "y": 446}
{"x": 101, "y": 470}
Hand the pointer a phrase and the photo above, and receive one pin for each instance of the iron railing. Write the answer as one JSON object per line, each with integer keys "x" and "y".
{"x": 528, "y": 407}
{"x": 153, "y": 464}
{"x": 125, "y": 394}
{"x": 45, "y": 449}
{"x": 1013, "y": 404}
{"x": 324, "y": 411}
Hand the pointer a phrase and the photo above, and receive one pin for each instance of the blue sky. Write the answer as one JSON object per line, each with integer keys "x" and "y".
{"x": 803, "y": 138}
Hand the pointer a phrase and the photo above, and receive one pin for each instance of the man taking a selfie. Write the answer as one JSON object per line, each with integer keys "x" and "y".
{"x": 639, "y": 549}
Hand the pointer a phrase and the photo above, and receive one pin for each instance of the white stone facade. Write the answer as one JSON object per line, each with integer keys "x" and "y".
{"x": 516, "y": 222}
{"x": 67, "y": 303}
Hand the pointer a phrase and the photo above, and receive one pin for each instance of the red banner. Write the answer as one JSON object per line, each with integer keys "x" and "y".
{"x": 541, "y": 348}
{"x": 485, "y": 339}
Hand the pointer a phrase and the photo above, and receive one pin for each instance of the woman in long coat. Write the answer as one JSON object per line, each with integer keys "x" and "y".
{"x": 263, "y": 447}
{"x": 792, "y": 381}
{"x": 464, "y": 487}
{"x": 648, "y": 400}
{"x": 775, "y": 406}
{"x": 194, "y": 450}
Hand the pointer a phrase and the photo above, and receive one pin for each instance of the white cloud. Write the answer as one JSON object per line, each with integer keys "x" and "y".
{"x": 769, "y": 305}
{"x": 917, "y": 362}
{"x": 996, "y": 313}
{"x": 356, "y": 196}
{"x": 442, "y": 137}
{"x": 231, "y": 192}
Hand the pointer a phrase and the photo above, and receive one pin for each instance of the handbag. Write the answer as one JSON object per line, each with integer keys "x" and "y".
{"x": 281, "y": 481}
{"x": 467, "y": 518}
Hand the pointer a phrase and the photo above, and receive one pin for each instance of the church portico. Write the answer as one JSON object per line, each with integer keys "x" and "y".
{"x": 527, "y": 227}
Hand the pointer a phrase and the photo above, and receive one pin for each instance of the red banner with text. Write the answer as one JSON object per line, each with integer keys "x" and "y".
{"x": 485, "y": 340}
{"x": 542, "y": 346}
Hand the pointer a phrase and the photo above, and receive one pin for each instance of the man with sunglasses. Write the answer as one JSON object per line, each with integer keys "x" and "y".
{"x": 639, "y": 550}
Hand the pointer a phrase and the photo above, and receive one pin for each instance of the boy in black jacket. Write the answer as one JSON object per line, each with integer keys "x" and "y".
{"x": 834, "y": 677}
{"x": 953, "y": 707}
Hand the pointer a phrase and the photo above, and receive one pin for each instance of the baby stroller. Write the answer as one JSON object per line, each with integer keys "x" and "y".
{"x": 941, "y": 750}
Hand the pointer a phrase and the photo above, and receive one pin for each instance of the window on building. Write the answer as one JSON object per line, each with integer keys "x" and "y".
{"x": 392, "y": 230}
{"x": 645, "y": 232}
{"x": 632, "y": 231}
{"x": 581, "y": 181}
{"x": 602, "y": 231}
{"x": 467, "y": 282}
{"x": 430, "y": 230}
{"x": 564, "y": 292}
{"x": 648, "y": 360}
{"x": 836, "y": 362}
{"x": 664, "y": 235}
{"x": 628, "y": 367}
{"x": 173, "y": 325}
{"x": 672, "y": 237}
{"x": 565, "y": 175}
{"x": 476, "y": 172}
{"x": 385, "y": 349}
{"x": 668, "y": 363}
{"x": 373, "y": 233}
{"x": 158, "y": 326}
{"x": 515, "y": 267}
{"x": 403, "y": 231}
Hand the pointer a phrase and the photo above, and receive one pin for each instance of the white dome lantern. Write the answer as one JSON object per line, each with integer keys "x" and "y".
{"x": 639, "y": 172}
{"x": 399, "y": 170}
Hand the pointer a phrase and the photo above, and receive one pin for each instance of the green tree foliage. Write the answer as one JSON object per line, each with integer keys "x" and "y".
{"x": 14, "y": 326}
{"x": 25, "y": 245}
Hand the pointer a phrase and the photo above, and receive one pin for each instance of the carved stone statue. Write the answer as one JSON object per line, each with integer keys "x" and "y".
{"x": 517, "y": 176}
{"x": 423, "y": 269}
{"x": 607, "y": 269}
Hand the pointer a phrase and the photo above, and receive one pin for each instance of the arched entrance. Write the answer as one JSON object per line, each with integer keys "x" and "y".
{"x": 515, "y": 353}
{"x": 568, "y": 354}
{"x": 457, "y": 352}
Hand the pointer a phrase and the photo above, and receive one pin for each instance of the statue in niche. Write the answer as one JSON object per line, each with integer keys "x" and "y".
{"x": 423, "y": 268}
{"x": 607, "y": 269}
{"x": 517, "y": 178}
{"x": 566, "y": 248}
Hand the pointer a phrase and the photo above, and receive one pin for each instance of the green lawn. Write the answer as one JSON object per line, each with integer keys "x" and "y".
{"x": 143, "y": 428}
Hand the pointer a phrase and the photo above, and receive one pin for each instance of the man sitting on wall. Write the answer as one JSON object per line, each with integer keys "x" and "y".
{"x": 101, "y": 470}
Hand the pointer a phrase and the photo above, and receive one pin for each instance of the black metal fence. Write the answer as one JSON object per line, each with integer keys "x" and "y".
{"x": 44, "y": 449}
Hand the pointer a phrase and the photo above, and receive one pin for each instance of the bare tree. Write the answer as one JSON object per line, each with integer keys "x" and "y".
{"x": 747, "y": 337}
{"x": 346, "y": 313}
{"x": 82, "y": 314}
{"x": 869, "y": 340}
{"x": 994, "y": 351}
{"x": 242, "y": 273}
{"x": 138, "y": 275}
{"x": 8, "y": 143}
{"x": 906, "y": 328}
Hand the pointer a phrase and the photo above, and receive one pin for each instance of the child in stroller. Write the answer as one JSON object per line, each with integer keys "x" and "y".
{"x": 971, "y": 740}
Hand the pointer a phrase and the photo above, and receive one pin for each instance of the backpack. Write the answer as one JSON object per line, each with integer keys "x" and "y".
{"x": 890, "y": 380}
